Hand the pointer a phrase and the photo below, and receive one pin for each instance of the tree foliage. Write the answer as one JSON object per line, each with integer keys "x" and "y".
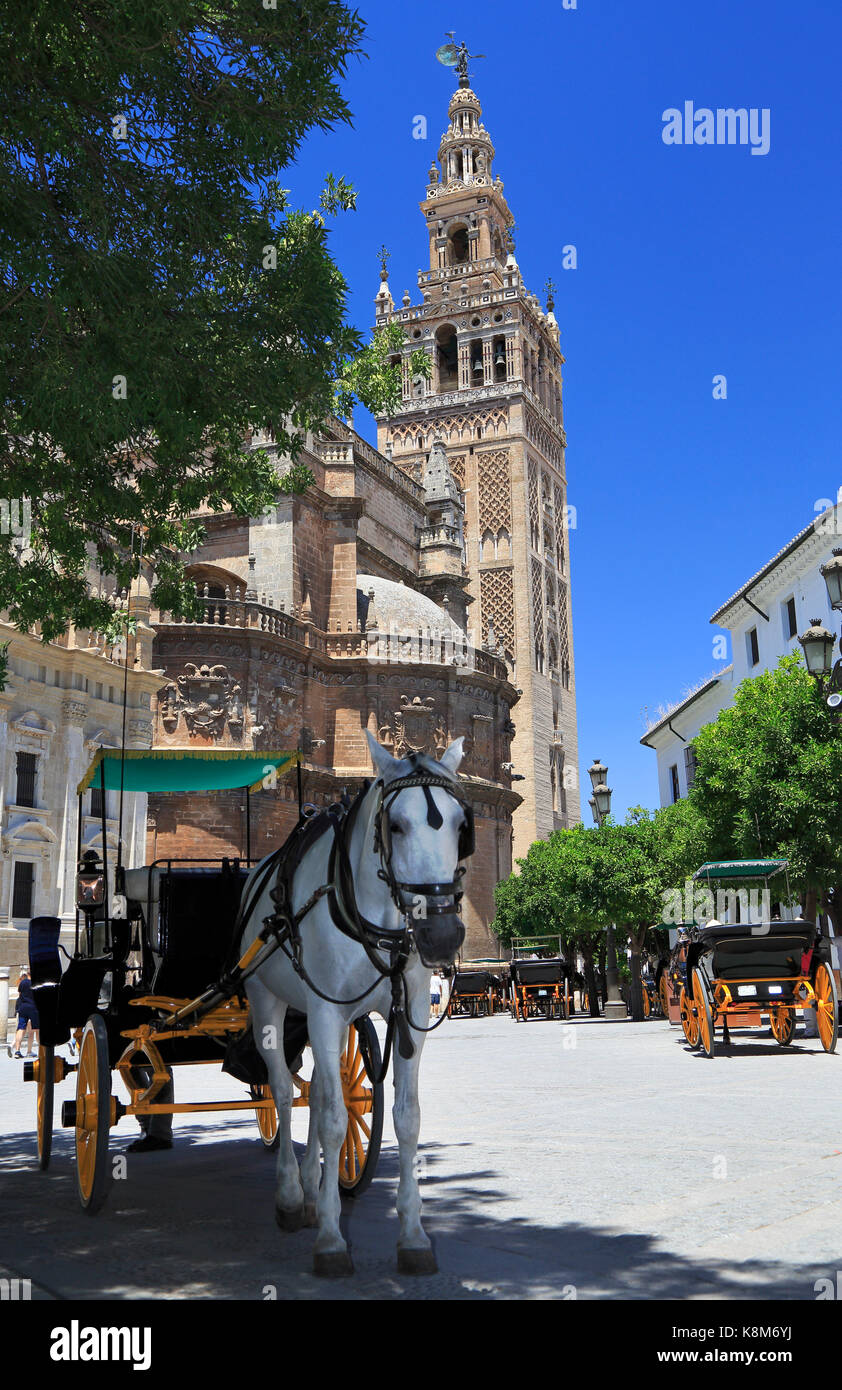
{"x": 769, "y": 778}
{"x": 159, "y": 296}
{"x": 579, "y": 881}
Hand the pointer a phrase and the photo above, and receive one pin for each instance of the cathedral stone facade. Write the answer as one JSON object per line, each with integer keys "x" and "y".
{"x": 493, "y": 405}
{"x": 344, "y": 609}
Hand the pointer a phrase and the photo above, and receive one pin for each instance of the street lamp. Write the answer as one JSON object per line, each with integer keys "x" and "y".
{"x": 832, "y": 575}
{"x": 818, "y": 644}
{"x": 600, "y": 803}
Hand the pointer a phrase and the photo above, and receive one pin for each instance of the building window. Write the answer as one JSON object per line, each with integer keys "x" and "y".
{"x": 789, "y": 620}
{"x": 674, "y": 787}
{"x": 689, "y": 767}
{"x": 752, "y": 649}
{"x": 26, "y": 767}
{"x": 22, "y": 889}
{"x": 96, "y": 802}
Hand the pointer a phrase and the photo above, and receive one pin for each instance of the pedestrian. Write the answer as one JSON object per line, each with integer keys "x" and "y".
{"x": 435, "y": 993}
{"x": 27, "y": 1015}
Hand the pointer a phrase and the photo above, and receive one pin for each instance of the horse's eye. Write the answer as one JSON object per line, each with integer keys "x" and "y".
{"x": 395, "y": 828}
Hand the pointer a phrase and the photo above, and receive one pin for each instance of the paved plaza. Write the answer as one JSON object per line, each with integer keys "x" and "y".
{"x": 588, "y": 1160}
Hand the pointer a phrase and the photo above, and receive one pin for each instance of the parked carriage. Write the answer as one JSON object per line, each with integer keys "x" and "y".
{"x": 472, "y": 994}
{"x": 739, "y": 973}
{"x": 157, "y": 984}
{"x": 538, "y": 981}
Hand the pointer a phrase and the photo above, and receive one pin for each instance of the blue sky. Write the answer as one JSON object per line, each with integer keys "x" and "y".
{"x": 692, "y": 262}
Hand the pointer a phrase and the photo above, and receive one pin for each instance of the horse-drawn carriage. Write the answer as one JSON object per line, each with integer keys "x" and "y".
{"x": 157, "y": 984}
{"x": 472, "y": 993}
{"x": 739, "y": 973}
{"x": 539, "y": 981}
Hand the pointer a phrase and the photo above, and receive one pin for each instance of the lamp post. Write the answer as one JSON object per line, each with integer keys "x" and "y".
{"x": 817, "y": 643}
{"x": 600, "y": 803}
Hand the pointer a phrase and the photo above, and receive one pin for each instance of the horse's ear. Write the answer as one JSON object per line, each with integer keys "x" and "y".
{"x": 452, "y": 756}
{"x": 380, "y": 756}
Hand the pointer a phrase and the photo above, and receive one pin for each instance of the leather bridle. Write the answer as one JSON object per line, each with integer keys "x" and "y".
{"x": 435, "y": 895}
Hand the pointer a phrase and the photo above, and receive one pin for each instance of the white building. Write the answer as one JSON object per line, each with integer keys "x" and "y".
{"x": 61, "y": 702}
{"x": 763, "y": 620}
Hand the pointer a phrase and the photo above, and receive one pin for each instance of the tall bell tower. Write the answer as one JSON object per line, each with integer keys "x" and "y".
{"x": 493, "y": 403}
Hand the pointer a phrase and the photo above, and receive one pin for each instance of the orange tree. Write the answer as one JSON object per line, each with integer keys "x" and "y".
{"x": 579, "y": 881}
{"x": 768, "y": 779}
{"x": 558, "y": 891}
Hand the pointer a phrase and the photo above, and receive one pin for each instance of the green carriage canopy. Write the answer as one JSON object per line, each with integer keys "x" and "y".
{"x": 735, "y": 869}
{"x": 184, "y": 769}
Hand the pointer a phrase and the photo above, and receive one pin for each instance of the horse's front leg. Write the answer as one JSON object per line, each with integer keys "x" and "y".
{"x": 331, "y": 1258}
{"x": 415, "y": 1253}
{"x": 311, "y": 1163}
{"x": 268, "y": 1014}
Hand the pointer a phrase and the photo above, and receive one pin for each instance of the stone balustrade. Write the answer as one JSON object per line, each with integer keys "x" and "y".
{"x": 233, "y": 612}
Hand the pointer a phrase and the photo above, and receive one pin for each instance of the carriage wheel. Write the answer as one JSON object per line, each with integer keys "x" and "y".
{"x": 44, "y": 1103}
{"x": 782, "y": 1020}
{"x": 93, "y": 1115}
{"x": 689, "y": 1021}
{"x": 647, "y": 1003}
{"x": 665, "y": 1000}
{"x": 703, "y": 1013}
{"x": 827, "y": 1007}
{"x": 364, "y": 1103}
{"x": 267, "y": 1120}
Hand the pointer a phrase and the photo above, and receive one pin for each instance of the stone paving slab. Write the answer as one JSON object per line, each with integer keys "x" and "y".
{"x": 557, "y": 1161}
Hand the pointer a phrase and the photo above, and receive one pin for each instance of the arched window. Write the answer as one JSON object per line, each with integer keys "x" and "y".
{"x": 457, "y": 237}
{"x": 552, "y": 654}
{"x": 447, "y": 358}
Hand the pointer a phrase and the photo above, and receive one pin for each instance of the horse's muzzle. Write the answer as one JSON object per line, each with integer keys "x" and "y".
{"x": 439, "y": 938}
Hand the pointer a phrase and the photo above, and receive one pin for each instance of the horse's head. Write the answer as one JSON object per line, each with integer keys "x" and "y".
{"x": 423, "y": 829}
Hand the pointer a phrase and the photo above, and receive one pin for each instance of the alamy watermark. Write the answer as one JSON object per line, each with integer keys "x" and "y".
{"x": 727, "y": 125}
{"x": 695, "y": 903}
{"x": 16, "y": 518}
{"x": 424, "y": 645}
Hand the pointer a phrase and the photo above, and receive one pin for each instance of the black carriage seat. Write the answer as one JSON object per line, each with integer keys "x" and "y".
{"x": 196, "y": 913}
{"x": 472, "y": 982}
{"x": 538, "y": 972}
{"x": 774, "y": 953}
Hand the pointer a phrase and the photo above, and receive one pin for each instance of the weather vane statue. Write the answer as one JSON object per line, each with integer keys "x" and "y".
{"x": 453, "y": 55}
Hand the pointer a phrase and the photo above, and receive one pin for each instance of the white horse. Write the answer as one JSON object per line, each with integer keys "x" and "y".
{"x": 402, "y": 847}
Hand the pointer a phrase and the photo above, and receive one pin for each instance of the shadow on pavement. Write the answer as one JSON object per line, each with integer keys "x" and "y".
{"x": 197, "y": 1222}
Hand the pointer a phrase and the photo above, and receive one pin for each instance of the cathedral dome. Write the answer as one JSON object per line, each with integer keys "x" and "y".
{"x": 398, "y": 607}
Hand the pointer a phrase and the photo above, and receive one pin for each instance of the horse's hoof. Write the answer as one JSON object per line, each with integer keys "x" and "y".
{"x": 332, "y": 1264}
{"x": 290, "y": 1220}
{"x": 310, "y": 1217}
{"x": 416, "y": 1261}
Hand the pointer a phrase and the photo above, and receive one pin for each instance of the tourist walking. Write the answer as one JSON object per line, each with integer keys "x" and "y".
{"x": 27, "y": 1015}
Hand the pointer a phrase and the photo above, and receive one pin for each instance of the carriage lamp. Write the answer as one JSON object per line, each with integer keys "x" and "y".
{"x": 832, "y": 575}
{"x": 90, "y": 882}
{"x": 817, "y": 643}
